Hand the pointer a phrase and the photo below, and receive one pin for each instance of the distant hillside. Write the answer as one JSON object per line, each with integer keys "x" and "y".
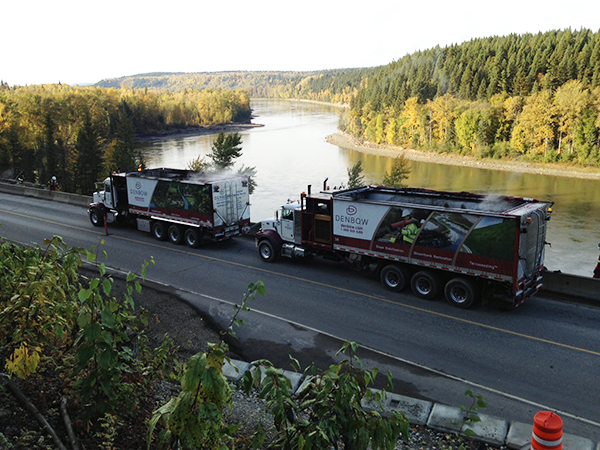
{"x": 336, "y": 86}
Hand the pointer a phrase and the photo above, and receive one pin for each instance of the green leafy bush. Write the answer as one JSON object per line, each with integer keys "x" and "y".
{"x": 38, "y": 292}
{"x": 194, "y": 419}
{"x": 328, "y": 412}
{"x": 48, "y": 317}
{"x": 107, "y": 365}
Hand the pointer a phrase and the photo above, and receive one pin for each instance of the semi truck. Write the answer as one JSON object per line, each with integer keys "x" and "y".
{"x": 467, "y": 246}
{"x": 182, "y": 206}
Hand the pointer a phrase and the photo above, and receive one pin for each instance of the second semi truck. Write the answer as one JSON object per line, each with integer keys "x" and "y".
{"x": 180, "y": 205}
{"x": 466, "y": 246}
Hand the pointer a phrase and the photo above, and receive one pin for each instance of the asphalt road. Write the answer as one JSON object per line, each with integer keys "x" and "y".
{"x": 543, "y": 355}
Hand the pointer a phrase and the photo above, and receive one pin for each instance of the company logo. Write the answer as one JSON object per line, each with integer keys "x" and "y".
{"x": 138, "y": 191}
{"x": 352, "y": 220}
{"x": 351, "y": 210}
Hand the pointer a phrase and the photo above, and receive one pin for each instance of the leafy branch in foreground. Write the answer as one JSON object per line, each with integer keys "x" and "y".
{"x": 328, "y": 412}
{"x": 194, "y": 419}
{"x": 107, "y": 366}
{"x": 38, "y": 288}
{"x": 52, "y": 315}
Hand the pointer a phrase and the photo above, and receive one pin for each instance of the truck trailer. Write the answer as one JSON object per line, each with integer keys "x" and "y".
{"x": 467, "y": 246}
{"x": 179, "y": 205}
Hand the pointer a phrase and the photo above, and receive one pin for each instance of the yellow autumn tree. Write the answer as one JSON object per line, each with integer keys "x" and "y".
{"x": 367, "y": 120}
{"x": 510, "y": 109}
{"x": 570, "y": 101}
{"x": 534, "y": 129}
{"x": 391, "y": 130}
{"x": 442, "y": 114}
{"x": 412, "y": 127}
{"x": 379, "y": 131}
{"x": 466, "y": 130}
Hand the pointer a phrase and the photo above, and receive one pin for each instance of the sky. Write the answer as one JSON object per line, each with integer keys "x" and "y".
{"x": 83, "y": 41}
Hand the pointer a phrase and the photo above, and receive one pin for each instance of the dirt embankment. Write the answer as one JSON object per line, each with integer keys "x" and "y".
{"x": 346, "y": 141}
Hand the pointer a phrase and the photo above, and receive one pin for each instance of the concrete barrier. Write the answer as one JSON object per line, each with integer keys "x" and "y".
{"x": 45, "y": 194}
{"x": 571, "y": 287}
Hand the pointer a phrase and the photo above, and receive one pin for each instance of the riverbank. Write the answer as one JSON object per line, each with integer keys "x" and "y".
{"x": 190, "y": 131}
{"x": 349, "y": 142}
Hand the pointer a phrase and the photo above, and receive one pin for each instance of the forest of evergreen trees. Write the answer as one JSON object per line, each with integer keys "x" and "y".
{"x": 534, "y": 97}
{"x": 80, "y": 134}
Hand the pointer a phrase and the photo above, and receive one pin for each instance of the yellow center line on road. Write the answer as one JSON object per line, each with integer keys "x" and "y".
{"x": 318, "y": 283}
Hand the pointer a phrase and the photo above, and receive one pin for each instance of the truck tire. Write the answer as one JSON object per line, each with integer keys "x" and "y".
{"x": 394, "y": 277}
{"x": 159, "y": 231}
{"x": 460, "y": 292}
{"x": 175, "y": 234}
{"x": 193, "y": 237}
{"x": 425, "y": 284}
{"x": 266, "y": 250}
{"x": 96, "y": 218}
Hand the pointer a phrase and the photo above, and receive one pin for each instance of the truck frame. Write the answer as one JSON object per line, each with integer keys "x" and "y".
{"x": 179, "y": 205}
{"x": 468, "y": 246}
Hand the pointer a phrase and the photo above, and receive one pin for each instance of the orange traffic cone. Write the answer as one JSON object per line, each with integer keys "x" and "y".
{"x": 547, "y": 431}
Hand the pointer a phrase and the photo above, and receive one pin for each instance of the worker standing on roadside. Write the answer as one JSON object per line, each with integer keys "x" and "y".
{"x": 53, "y": 184}
{"x": 597, "y": 269}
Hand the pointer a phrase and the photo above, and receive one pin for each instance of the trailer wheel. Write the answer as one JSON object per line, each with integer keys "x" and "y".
{"x": 425, "y": 284}
{"x": 175, "y": 234}
{"x": 96, "y": 218}
{"x": 394, "y": 277}
{"x": 460, "y": 292}
{"x": 266, "y": 250}
{"x": 192, "y": 237}
{"x": 159, "y": 231}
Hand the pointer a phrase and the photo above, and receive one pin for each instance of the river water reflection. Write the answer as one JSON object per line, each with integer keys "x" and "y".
{"x": 290, "y": 152}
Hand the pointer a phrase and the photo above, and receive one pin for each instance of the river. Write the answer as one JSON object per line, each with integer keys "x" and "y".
{"x": 290, "y": 152}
